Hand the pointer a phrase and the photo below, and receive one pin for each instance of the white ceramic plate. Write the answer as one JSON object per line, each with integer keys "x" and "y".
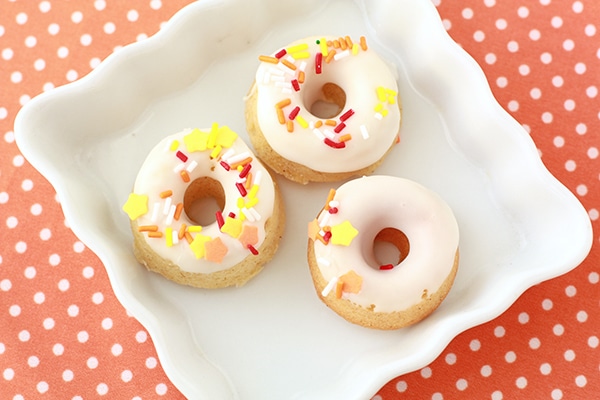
{"x": 273, "y": 339}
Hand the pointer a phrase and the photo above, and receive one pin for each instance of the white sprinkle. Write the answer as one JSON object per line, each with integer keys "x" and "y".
{"x": 254, "y": 213}
{"x": 179, "y": 168}
{"x": 167, "y": 205}
{"x": 323, "y": 262}
{"x": 227, "y": 154}
{"x": 319, "y": 134}
{"x": 238, "y": 157}
{"x": 257, "y": 178}
{"x": 240, "y": 180}
{"x": 155, "y": 211}
{"x": 329, "y": 133}
{"x": 379, "y": 116}
{"x": 175, "y": 236}
{"x": 248, "y": 214}
{"x": 311, "y": 125}
{"x": 364, "y": 132}
{"x": 343, "y": 54}
{"x": 192, "y": 166}
{"x": 170, "y": 215}
{"x": 329, "y": 286}
{"x": 325, "y": 219}
{"x": 290, "y": 58}
{"x": 302, "y": 66}
{"x": 334, "y": 204}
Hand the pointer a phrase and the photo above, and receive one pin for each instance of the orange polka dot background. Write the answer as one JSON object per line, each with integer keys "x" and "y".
{"x": 63, "y": 334}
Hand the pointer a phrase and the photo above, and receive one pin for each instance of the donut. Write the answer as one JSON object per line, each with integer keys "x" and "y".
{"x": 354, "y": 275}
{"x": 323, "y": 109}
{"x": 204, "y": 211}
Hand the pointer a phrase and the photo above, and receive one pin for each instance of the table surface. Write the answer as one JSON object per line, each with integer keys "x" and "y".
{"x": 63, "y": 333}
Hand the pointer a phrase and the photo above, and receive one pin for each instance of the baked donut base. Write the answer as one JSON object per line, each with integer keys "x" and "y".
{"x": 368, "y": 318}
{"x": 289, "y": 169}
{"x": 237, "y": 275}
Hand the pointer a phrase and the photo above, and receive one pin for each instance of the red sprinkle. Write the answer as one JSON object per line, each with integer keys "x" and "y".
{"x": 296, "y": 85}
{"x": 241, "y": 189}
{"x": 181, "y": 156}
{"x": 338, "y": 128}
{"x": 335, "y": 145}
{"x": 232, "y": 214}
{"x": 225, "y": 165}
{"x": 245, "y": 170}
{"x": 327, "y": 236}
{"x": 252, "y": 249}
{"x": 294, "y": 113}
{"x": 347, "y": 115}
{"x": 281, "y": 53}
{"x": 386, "y": 267}
{"x": 319, "y": 63}
{"x": 333, "y": 210}
{"x": 220, "y": 220}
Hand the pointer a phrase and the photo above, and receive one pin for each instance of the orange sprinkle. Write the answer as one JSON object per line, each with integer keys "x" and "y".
{"x": 330, "y": 56}
{"x": 290, "y": 126}
{"x": 185, "y": 176}
{"x": 248, "y": 181}
{"x": 155, "y": 234}
{"x": 318, "y": 124}
{"x": 188, "y": 237}
{"x": 330, "y": 197}
{"x": 147, "y": 228}
{"x": 178, "y": 210}
{"x": 288, "y": 64}
{"x": 339, "y": 289}
{"x": 301, "y": 77}
{"x": 165, "y": 194}
{"x": 182, "y": 230}
{"x": 280, "y": 116}
{"x": 269, "y": 59}
{"x": 320, "y": 238}
{"x": 345, "y": 138}
{"x": 330, "y": 122}
{"x": 329, "y": 43}
{"x": 363, "y": 43}
{"x": 343, "y": 44}
{"x": 283, "y": 103}
{"x": 242, "y": 162}
{"x": 336, "y": 44}
{"x": 349, "y": 42}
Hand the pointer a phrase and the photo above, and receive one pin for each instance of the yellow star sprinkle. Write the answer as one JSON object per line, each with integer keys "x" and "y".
{"x": 343, "y": 233}
{"x": 226, "y": 136}
{"x": 198, "y": 243}
{"x": 196, "y": 140}
{"x": 232, "y": 227}
{"x": 136, "y": 205}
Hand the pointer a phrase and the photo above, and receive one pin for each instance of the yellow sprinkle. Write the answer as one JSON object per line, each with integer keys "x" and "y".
{"x": 378, "y": 107}
{"x": 253, "y": 191}
{"x": 174, "y": 145}
{"x": 355, "y": 49}
{"x": 194, "y": 228}
{"x": 300, "y": 55}
{"x": 212, "y": 136}
{"x": 169, "y": 236}
{"x": 302, "y": 121}
{"x": 252, "y": 202}
{"x": 381, "y": 94}
{"x": 323, "y": 45}
{"x": 240, "y": 202}
{"x": 216, "y": 151}
{"x": 296, "y": 48}
{"x": 384, "y": 112}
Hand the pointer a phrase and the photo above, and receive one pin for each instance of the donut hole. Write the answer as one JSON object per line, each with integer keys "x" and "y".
{"x": 202, "y": 199}
{"x": 326, "y": 102}
{"x": 390, "y": 247}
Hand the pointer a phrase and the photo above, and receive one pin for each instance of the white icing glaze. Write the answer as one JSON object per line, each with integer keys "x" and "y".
{"x": 160, "y": 172}
{"x": 359, "y": 75}
{"x": 371, "y": 204}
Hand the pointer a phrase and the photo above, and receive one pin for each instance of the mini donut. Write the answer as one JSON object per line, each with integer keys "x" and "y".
{"x": 347, "y": 272}
{"x": 204, "y": 211}
{"x": 323, "y": 109}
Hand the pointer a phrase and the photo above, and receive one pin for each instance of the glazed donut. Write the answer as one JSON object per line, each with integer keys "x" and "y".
{"x": 347, "y": 273}
{"x": 176, "y": 234}
{"x": 323, "y": 109}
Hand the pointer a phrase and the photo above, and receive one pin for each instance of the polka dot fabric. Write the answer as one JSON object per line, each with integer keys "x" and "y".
{"x": 64, "y": 334}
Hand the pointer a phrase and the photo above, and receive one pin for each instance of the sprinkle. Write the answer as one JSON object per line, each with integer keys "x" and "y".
{"x": 290, "y": 126}
{"x": 182, "y": 230}
{"x": 194, "y": 228}
{"x": 238, "y": 157}
{"x": 258, "y": 178}
{"x": 329, "y": 134}
{"x": 336, "y": 44}
{"x": 363, "y": 43}
{"x": 216, "y": 151}
{"x": 191, "y": 166}
{"x": 318, "y": 63}
{"x": 294, "y": 113}
{"x": 227, "y": 154}
{"x": 298, "y": 47}
{"x": 255, "y": 214}
{"x": 343, "y": 233}
{"x": 330, "y": 197}
{"x": 249, "y": 179}
{"x": 170, "y": 215}
{"x": 211, "y": 142}
{"x": 386, "y": 267}
{"x": 378, "y": 116}
{"x": 244, "y": 172}
{"x": 178, "y": 210}
{"x": 302, "y": 121}
{"x": 136, "y": 205}
{"x": 174, "y": 145}
{"x": 347, "y": 115}
{"x": 355, "y": 49}
{"x": 269, "y": 59}
{"x": 181, "y": 156}
{"x": 288, "y": 64}
{"x": 302, "y": 68}
{"x": 167, "y": 205}
{"x": 281, "y": 53}
{"x": 296, "y": 85}
{"x": 179, "y": 167}
{"x": 333, "y": 210}
{"x": 330, "y": 122}
{"x": 225, "y": 165}
{"x": 280, "y": 116}
{"x": 341, "y": 55}
{"x": 335, "y": 145}
{"x": 165, "y": 194}
{"x": 319, "y": 134}
{"x": 381, "y": 94}
{"x": 252, "y": 249}
{"x": 241, "y": 188}
{"x": 323, "y": 261}
{"x": 188, "y": 237}
{"x": 155, "y": 234}
{"x": 349, "y": 43}
{"x": 339, "y": 127}
{"x": 329, "y": 287}
{"x": 364, "y": 132}
{"x": 283, "y": 103}
{"x": 220, "y": 220}
{"x": 242, "y": 162}
{"x": 345, "y": 138}
{"x": 343, "y": 44}
{"x": 155, "y": 212}
{"x": 147, "y": 228}
{"x": 232, "y": 227}
{"x": 339, "y": 289}
{"x": 327, "y": 236}
{"x": 245, "y": 212}
{"x": 301, "y": 77}
{"x": 185, "y": 176}
{"x": 324, "y": 219}
{"x": 330, "y": 56}
{"x": 323, "y": 45}
{"x": 169, "y": 236}
{"x": 215, "y": 250}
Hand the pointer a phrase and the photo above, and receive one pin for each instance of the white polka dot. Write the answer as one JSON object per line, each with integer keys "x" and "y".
{"x": 577, "y": 7}
{"x": 161, "y": 389}
{"x": 513, "y": 46}
{"x": 502, "y": 82}
{"x": 594, "y": 278}
{"x": 92, "y": 362}
{"x": 569, "y": 104}
{"x": 44, "y": 6}
{"x": 45, "y": 234}
{"x": 155, "y": 4}
{"x": 102, "y": 388}
{"x": 558, "y": 329}
{"x": 151, "y": 363}
{"x": 593, "y": 342}
{"x": 547, "y": 117}
{"x": 62, "y": 52}
{"x": 58, "y": 349}
{"x": 445, "y": 22}
{"x": 107, "y": 323}
{"x": 546, "y": 58}
{"x": 523, "y": 12}
{"x": 67, "y": 375}
{"x": 557, "y": 394}
{"x": 521, "y": 382}
{"x": 30, "y": 41}
{"x": 545, "y": 369}
{"x": 499, "y": 331}
{"x": 581, "y": 190}
{"x": 580, "y": 68}
{"x": 100, "y": 5}
{"x": 141, "y": 336}
{"x": 450, "y": 358}
{"x": 568, "y": 45}
{"x": 33, "y": 361}
{"x": 479, "y": 36}
{"x": 580, "y": 381}
{"x": 39, "y": 297}
{"x": 14, "y": 310}
{"x": 42, "y": 387}
{"x": 486, "y": 371}
{"x": 54, "y": 260}
{"x": 73, "y": 310}
{"x": 116, "y": 349}
{"x": 556, "y": 22}
{"x": 7, "y": 53}
{"x": 513, "y": 105}
{"x": 82, "y": 336}
{"x": 581, "y": 128}
{"x": 462, "y": 384}
{"x": 77, "y": 17}
{"x": 72, "y": 75}
{"x": 48, "y": 323}
{"x": 94, "y": 62}
{"x": 39, "y": 64}
{"x": 426, "y": 372}
{"x": 21, "y": 18}
{"x": 475, "y": 345}
{"x": 524, "y": 69}
{"x": 570, "y": 291}
{"x": 594, "y": 214}
{"x": 534, "y": 34}
{"x": 569, "y": 355}
{"x": 24, "y": 336}
{"x": 85, "y": 39}
{"x": 97, "y": 298}
{"x": 5, "y": 285}
{"x": 21, "y": 247}
{"x": 132, "y": 15}
{"x": 88, "y": 272}
{"x": 3, "y": 112}
{"x": 24, "y": 99}
{"x": 582, "y": 316}
{"x": 109, "y": 28}
{"x": 16, "y": 77}
{"x": 12, "y": 222}
{"x": 53, "y": 29}
{"x": 3, "y": 197}
{"x": 534, "y": 343}
{"x": 8, "y": 374}
{"x": 126, "y": 375}
{"x": 510, "y": 357}
{"x": 591, "y": 92}
{"x": 590, "y": 30}
{"x": 27, "y": 185}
